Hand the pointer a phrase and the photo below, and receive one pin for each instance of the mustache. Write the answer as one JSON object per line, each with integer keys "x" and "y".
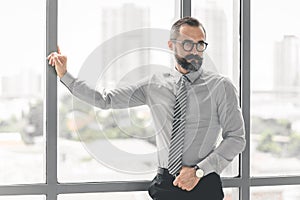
{"x": 192, "y": 56}
{"x": 184, "y": 60}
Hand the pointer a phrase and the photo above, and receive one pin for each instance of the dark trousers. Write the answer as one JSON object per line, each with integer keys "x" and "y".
{"x": 208, "y": 188}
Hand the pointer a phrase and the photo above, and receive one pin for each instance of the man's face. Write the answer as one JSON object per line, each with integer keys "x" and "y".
{"x": 189, "y": 60}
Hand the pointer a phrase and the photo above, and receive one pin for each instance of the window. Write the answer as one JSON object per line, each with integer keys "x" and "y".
{"x": 275, "y": 192}
{"x": 22, "y": 50}
{"x": 43, "y": 155}
{"x": 275, "y": 133}
{"x": 275, "y": 115}
{"x": 104, "y": 146}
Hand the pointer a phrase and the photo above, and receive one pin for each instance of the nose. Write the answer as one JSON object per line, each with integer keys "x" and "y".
{"x": 194, "y": 49}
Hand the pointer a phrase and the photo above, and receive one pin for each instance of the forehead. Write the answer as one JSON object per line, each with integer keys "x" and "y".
{"x": 191, "y": 32}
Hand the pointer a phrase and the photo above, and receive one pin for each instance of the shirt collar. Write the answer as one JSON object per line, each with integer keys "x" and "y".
{"x": 192, "y": 76}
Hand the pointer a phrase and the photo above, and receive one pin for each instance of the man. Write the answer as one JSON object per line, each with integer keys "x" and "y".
{"x": 195, "y": 105}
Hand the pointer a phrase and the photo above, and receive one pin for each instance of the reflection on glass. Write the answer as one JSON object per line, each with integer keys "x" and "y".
{"x": 275, "y": 72}
{"x": 21, "y": 91}
{"x": 129, "y": 131}
{"x": 275, "y": 193}
{"x": 221, "y": 22}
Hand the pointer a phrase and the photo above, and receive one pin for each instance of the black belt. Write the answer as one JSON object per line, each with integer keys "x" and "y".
{"x": 164, "y": 172}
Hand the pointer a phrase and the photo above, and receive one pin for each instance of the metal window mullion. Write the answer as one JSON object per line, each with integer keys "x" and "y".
{"x": 275, "y": 181}
{"x": 22, "y": 189}
{"x": 185, "y": 8}
{"x": 245, "y": 96}
{"x": 120, "y": 186}
{"x": 51, "y": 102}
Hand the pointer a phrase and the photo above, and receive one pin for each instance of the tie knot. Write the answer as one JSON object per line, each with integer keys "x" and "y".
{"x": 184, "y": 78}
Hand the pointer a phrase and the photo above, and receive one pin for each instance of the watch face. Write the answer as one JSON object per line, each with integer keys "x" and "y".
{"x": 199, "y": 173}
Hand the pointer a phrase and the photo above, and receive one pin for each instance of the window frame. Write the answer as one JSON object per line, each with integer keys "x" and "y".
{"x": 52, "y": 188}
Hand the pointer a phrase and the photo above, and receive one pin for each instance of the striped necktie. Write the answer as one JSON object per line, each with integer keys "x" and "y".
{"x": 177, "y": 137}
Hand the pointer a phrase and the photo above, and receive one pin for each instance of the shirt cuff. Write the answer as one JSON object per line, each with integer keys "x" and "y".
{"x": 206, "y": 167}
{"x": 67, "y": 79}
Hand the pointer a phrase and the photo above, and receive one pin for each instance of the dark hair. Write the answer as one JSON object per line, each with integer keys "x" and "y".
{"x": 185, "y": 20}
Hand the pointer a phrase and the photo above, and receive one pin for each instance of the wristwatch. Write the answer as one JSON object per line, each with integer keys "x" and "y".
{"x": 199, "y": 172}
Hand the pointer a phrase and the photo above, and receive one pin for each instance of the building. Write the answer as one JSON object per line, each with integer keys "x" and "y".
{"x": 287, "y": 64}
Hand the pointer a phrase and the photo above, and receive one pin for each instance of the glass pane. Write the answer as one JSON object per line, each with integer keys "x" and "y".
{"x": 23, "y": 197}
{"x": 275, "y": 193}
{"x": 87, "y": 133}
{"x": 22, "y": 53}
{"x": 230, "y": 194}
{"x": 275, "y": 95}
{"x": 221, "y": 21}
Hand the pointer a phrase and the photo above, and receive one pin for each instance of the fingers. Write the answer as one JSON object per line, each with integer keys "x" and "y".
{"x": 50, "y": 61}
{"x": 50, "y": 58}
{"x": 57, "y": 61}
{"x": 185, "y": 187}
{"x": 58, "y": 50}
{"x": 62, "y": 59}
{"x": 55, "y": 56}
{"x": 184, "y": 184}
{"x": 51, "y": 55}
{"x": 176, "y": 181}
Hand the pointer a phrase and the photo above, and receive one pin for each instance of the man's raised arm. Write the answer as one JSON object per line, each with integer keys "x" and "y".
{"x": 130, "y": 96}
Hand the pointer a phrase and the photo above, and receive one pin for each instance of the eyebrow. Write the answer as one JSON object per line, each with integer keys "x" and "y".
{"x": 193, "y": 41}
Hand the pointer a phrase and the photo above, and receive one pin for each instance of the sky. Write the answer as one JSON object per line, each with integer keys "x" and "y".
{"x": 270, "y": 21}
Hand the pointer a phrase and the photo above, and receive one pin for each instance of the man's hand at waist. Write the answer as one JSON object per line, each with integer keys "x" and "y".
{"x": 187, "y": 179}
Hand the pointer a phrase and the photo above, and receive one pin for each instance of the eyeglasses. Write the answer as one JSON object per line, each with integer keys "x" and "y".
{"x": 188, "y": 45}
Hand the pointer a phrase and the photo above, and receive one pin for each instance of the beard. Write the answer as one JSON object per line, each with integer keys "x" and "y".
{"x": 194, "y": 65}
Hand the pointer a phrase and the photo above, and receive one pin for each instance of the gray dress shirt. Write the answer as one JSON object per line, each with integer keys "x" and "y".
{"x": 212, "y": 111}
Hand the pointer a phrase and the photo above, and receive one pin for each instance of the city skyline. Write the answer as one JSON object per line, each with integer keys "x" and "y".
{"x": 260, "y": 68}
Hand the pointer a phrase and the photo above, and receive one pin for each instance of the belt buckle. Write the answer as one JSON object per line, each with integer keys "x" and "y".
{"x": 160, "y": 171}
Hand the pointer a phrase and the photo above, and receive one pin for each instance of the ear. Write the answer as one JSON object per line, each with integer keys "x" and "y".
{"x": 170, "y": 45}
